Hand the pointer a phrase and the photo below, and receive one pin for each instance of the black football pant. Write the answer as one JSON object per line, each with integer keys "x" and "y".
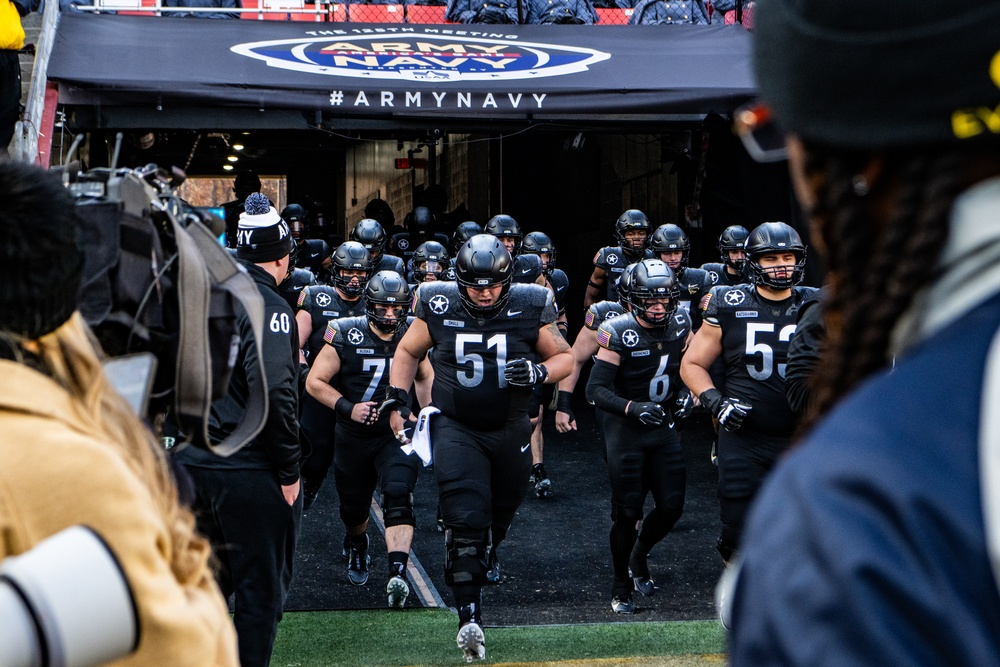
{"x": 362, "y": 463}
{"x": 744, "y": 460}
{"x": 253, "y": 532}
{"x": 480, "y": 477}
{"x": 10, "y": 96}
{"x": 641, "y": 460}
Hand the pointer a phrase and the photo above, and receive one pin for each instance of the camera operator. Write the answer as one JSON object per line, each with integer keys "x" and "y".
{"x": 73, "y": 451}
{"x": 249, "y": 504}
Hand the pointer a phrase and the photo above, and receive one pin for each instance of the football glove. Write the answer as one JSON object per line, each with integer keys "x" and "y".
{"x": 684, "y": 403}
{"x": 647, "y": 412}
{"x": 732, "y": 412}
{"x": 524, "y": 373}
{"x": 396, "y": 399}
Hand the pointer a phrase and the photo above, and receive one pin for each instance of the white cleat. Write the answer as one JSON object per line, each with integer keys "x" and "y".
{"x": 397, "y": 591}
{"x": 472, "y": 641}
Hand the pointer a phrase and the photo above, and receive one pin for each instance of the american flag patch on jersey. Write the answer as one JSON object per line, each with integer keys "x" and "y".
{"x": 302, "y": 297}
{"x": 603, "y": 337}
{"x": 588, "y": 319}
{"x": 330, "y": 333}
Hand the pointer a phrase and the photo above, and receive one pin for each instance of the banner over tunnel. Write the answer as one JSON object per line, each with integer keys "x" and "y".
{"x": 382, "y": 71}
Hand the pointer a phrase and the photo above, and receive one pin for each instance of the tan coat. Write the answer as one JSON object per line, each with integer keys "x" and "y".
{"x": 54, "y": 474}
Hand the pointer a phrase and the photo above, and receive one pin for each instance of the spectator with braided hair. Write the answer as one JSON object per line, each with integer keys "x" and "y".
{"x": 876, "y": 541}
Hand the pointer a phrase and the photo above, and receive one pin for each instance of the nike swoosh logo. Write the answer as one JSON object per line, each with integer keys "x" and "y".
{"x": 512, "y": 313}
{"x": 525, "y": 448}
{"x": 526, "y": 271}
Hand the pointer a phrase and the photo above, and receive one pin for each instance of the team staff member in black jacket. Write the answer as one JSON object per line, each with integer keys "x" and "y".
{"x": 493, "y": 341}
{"x": 634, "y": 377}
{"x": 249, "y": 505}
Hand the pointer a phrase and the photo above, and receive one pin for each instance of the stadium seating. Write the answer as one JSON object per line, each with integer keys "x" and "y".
{"x": 613, "y": 15}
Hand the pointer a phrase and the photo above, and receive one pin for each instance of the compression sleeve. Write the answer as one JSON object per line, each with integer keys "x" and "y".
{"x": 600, "y": 388}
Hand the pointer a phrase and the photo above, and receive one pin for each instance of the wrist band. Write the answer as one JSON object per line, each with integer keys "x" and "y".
{"x": 344, "y": 407}
{"x": 564, "y": 400}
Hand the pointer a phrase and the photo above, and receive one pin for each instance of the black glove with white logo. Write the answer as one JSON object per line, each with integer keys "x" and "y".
{"x": 647, "y": 412}
{"x": 711, "y": 400}
{"x": 732, "y": 412}
{"x": 684, "y": 403}
{"x": 524, "y": 373}
{"x": 396, "y": 399}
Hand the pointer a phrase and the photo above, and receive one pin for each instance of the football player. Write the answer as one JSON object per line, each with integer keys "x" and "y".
{"x": 348, "y": 374}
{"x": 671, "y": 244}
{"x": 312, "y": 254}
{"x": 371, "y": 235}
{"x": 493, "y": 341}
{"x": 633, "y": 384}
{"x": 750, "y": 326}
{"x": 731, "y": 247}
{"x": 430, "y": 263}
{"x": 318, "y": 304}
{"x": 632, "y": 231}
{"x": 527, "y": 267}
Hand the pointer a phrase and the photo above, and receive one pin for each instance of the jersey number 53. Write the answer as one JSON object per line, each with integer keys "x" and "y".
{"x": 765, "y": 351}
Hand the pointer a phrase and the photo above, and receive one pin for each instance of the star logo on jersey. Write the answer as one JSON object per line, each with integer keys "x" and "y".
{"x": 323, "y": 300}
{"x": 714, "y": 276}
{"x": 403, "y": 244}
{"x": 355, "y": 337}
{"x": 612, "y": 259}
{"x": 439, "y": 304}
{"x": 630, "y": 338}
{"x": 735, "y": 297}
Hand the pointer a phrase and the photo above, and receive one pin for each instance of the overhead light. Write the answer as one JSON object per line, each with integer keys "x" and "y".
{"x": 233, "y": 158}
{"x": 227, "y": 167}
{"x": 237, "y": 147}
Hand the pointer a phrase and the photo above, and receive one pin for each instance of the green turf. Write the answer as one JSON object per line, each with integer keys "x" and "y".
{"x": 427, "y": 637}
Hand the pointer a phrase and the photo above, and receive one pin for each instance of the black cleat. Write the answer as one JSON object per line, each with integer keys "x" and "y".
{"x": 357, "y": 564}
{"x": 541, "y": 482}
{"x": 638, "y": 569}
{"x": 622, "y": 604}
{"x": 493, "y": 573}
{"x": 471, "y": 638}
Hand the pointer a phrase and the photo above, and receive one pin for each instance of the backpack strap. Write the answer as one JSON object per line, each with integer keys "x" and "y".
{"x": 989, "y": 454}
{"x": 203, "y": 263}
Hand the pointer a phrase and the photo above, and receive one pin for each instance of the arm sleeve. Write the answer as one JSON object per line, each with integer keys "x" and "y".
{"x": 803, "y": 354}
{"x": 280, "y": 435}
{"x": 600, "y": 388}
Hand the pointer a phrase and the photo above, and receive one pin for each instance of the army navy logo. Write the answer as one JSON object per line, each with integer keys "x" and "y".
{"x": 403, "y": 244}
{"x": 630, "y": 338}
{"x": 424, "y": 55}
{"x": 612, "y": 259}
{"x": 323, "y": 300}
{"x": 355, "y": 337}
{"x": 735, "y": 297}
{"x": 439, "y": 304}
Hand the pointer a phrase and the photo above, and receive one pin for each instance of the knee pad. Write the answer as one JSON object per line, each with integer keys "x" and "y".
{"x": 465, "y": 558}
{"x": 397, "y": 510}
{"x": 626, "y": 516}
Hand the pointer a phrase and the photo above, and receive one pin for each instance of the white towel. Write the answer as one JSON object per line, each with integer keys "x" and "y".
{"x": 420, "y": 443}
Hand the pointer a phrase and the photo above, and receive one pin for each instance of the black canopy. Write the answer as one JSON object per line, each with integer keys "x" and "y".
{"x": 399, "y": 72}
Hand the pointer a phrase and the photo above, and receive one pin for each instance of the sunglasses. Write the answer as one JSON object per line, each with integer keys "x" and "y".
{"x": 763, "y": 138}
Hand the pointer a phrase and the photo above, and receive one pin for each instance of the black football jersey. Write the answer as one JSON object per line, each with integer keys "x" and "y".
{"x": 527, "y": 268}
{"x": 402, "y": 245}
{"x": 560, "y": 285}
{"x": 694, "y": 284}
{"x": 292, "y": 286}
{"x": 365, "y": 362}
{"x": 755, "y": 336}
{"x": 650, "y": 358}
{"x": 312, "y": 254}
{"x": 717, "y": 272}
{"x": 600, "y": 311}
{"x": 470, "y": 352}
{"x": 323, "y": 304}
{"x": 612, "y": 260}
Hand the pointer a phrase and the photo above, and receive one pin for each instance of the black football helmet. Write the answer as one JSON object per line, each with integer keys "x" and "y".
{"x": 483, "y": 261}
{"x": 537, "y": 243}
{"x": 652, "y": 279}
{"x": 733, "y": 238}
{"x": 387, "y": 288}
{"x": 669, "y": 238}
{"x": 371, "y": 235}
{"x": 430, "y": 258}
{"x": 379, "y": 209}
{"x": 624, "y": 284}
{"x": 773, "y": 237}
{"x": 298, "y": 221}
{"x": 351, "y": 256}
{"x": 420, "y": 222}
{"x": 463, "y": 232}
{"x": 505, "y": 226}
{"x": 631, "y": 220}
